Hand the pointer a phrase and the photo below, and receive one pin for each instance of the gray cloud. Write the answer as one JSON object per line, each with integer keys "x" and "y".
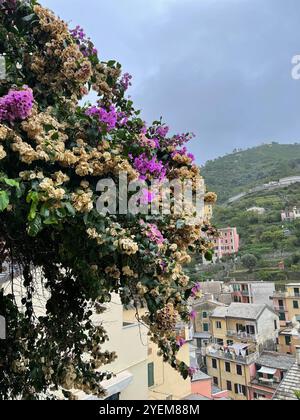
{"x": 220, "y": 68}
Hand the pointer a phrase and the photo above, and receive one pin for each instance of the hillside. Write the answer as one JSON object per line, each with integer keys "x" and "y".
{"x": 240, "y": 171}
{"x": 265, "y": 236}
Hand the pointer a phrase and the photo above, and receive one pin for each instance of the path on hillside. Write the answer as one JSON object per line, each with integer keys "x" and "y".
{"x": 284, "y": 182}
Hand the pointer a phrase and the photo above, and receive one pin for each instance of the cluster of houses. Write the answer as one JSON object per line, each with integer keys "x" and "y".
{"x": 251, "y": 347}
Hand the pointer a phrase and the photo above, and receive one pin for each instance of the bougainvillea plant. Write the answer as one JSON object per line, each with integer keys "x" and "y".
{"x": 53, "y": 151}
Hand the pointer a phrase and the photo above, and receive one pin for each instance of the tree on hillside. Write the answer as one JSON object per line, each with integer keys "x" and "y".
{"x": 53, "y": 152}
{"x": 249, "y": 261}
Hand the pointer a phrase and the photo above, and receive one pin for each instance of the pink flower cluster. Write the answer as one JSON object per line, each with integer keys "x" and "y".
{"x": 126, "y": 81}
{"x": 193, "y": 371}
{"x": 181, "y": 139}
{"x": 153, "y": 233}
{"x": 193, "y": 315}
{"x": 147, "y": 196}
{"x": 146, "y": 166}
{"x": 109, "y": 118}
{"x": 197, "y": 290}
{"x": 162, "y": 131}
{"x": 16, "y": 105}
{"x": 147, "y": 143}
{"x": 180, "y": 342}
{"x": 184, "y": 152}
{"x": 85, "y": 44}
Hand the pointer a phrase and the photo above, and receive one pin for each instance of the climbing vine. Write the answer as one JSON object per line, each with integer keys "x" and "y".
{"x": 53, "y": 152}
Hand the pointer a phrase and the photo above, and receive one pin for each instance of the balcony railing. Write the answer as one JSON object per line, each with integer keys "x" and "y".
{"x": 242, "y": 335}
{"x": 213, "y": 352}
{"x": 280, "y": 308}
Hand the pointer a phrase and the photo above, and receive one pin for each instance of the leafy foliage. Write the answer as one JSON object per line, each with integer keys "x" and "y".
{"x": 52, "y": 236}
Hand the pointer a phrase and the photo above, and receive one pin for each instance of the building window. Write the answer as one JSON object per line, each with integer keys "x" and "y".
{"x": 204, "y": 315}
{"x": 219, "y": 325}
{"x": 229, "y": 386}
{"x": 227, "y": 367}
{"x": 275, "y": 325}
{"x": 229, "y": 343}
{"x": 288, "y": 340}
{"x": 240, "y": 389}
{"x": 206, "y": 327}
{"x": 150, "y": 375}
{"x": 216, "y": 381}
{"x": 282, "y": 316}
{"x": 296, "y": 304}
{"x": 239, "y": 370}
{"x": 214, "y": 363}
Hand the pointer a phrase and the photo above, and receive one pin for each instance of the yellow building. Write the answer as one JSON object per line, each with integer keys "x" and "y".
{"x": 230, "y": 370}
{"x": 164, "y": 382}
{"x": 287, "y": 304}
{"x": 289, "y": 339}
{"x": 239, "y": 332}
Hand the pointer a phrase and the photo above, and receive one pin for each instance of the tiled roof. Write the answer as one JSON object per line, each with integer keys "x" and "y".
{"x": 220, "y": 312}
{"x": 240, "y": 310}
{"x": 276, "y": 360}
{"x": 290, "y": 384}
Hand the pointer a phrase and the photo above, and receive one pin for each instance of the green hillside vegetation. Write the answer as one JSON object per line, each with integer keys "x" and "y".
{"x": 240, "y": 171}
{"x": 265, "y": 236}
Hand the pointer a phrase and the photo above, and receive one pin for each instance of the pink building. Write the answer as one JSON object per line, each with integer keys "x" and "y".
{"x": 228, "y": 242}
{"x": 203, "y": 388}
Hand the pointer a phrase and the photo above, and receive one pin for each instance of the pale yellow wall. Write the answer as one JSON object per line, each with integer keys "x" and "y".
{"x": 131, "y": 346}
{"x": 291, "y": 349}
{"x": 224, "y": 376}
{"x": 138, "y": 389}
{"x": 219, "y": 333}
{"x": 293, "y": 312}
{"x": 167, "y": 380}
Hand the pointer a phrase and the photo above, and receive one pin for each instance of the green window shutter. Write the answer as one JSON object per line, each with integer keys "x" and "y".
{"x": 150, "y": 375}
{"x": 296, "y": 304}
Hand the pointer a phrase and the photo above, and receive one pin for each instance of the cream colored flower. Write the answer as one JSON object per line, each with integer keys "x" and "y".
{"x": 2, "y": 153}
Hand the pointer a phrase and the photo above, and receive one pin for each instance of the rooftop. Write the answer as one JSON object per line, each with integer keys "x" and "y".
{"x": 276, "y": 360}
{"x": 240, "y": 311}
{"x": 290, "y": 384}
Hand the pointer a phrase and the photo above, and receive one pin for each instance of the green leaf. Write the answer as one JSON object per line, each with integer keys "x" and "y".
{"x": 11, "y": 182}
{"x": 70, "y": 208}
{"x": 35, "y": 226}
{"x": 29, "y": 17}
{"x": 4, "y": 200}
{"x": 52, "y": 220}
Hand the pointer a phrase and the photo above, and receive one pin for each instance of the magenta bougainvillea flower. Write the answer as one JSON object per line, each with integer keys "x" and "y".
{"x": 184, "y": 152}
{"x": 146, "y": 166}
{"x": 109, "y": 118}
{"x": 126, "y": 81}
{"x": 197, "y": 290}
{"x": 16, "y": 105}
{"x": 152, "y": 232}
{"x": 162, "y": 131}
{"x": 180, "y": 342}
{"x": 85, "y": 44}
{"x": 193, "y": 315}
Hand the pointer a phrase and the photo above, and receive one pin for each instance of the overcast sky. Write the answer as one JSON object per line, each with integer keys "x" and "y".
{"x": 219, "y": 68}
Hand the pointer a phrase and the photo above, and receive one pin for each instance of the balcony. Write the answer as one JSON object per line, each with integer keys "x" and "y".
{"x": 280, "y": 308}
{"x": 270, "y": 383}
{"x": 242, "y": 336}
{"x": 216, "y": 352}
